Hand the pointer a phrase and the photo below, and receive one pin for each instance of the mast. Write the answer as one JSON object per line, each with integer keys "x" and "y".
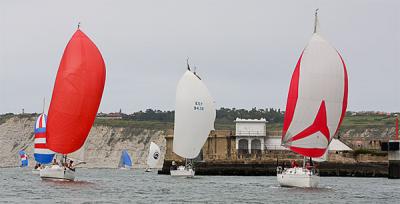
{"x": 44, "y": 104}
{"x": 397, "y": 127}
{"x": 316, "y": 20}
{"x": 187, "y": 63}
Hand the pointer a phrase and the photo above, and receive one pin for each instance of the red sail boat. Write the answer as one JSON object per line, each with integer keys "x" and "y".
{"x": 316, "y": 106}
{"x": 75, "y": 101}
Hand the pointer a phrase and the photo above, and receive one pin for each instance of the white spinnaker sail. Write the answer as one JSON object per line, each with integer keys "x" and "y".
{"x": 154, "y": 155}
{"x": 317, "y": 99}
{"x": 194, "y": 116}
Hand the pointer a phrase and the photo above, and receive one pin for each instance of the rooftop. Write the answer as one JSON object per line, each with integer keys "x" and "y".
{"x": 239, "y": 120}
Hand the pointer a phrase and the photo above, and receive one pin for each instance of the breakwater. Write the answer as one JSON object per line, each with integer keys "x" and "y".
{"x": 364, "y": 169}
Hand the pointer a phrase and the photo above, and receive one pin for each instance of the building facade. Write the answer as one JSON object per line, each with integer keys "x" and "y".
{"x": 250, "y": 135}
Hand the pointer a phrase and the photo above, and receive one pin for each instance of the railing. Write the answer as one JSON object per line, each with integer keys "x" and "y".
{"x": 251, "y": 133}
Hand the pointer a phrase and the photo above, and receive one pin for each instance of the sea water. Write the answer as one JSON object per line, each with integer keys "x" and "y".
{"x": 19, "y": 185}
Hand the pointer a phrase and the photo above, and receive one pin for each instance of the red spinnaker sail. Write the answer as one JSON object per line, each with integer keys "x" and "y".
{"x": 317, "y": 99}
{"x": 76, "y": 95}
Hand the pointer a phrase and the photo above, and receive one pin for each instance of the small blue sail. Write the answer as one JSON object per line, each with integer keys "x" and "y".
{"x": 126, "y": 159}
{"x": 24, "y": 158}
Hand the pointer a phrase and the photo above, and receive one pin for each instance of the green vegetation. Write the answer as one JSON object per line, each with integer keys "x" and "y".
{"x": 360, "y": 122}
{"x": 163, "y": 120}
{"x": 5, "y": 117}
{"x": 152, "y": 125}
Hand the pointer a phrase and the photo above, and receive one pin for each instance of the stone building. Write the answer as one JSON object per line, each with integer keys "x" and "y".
{"x": 250, "y": 135}
{"x": 248, "y": 142}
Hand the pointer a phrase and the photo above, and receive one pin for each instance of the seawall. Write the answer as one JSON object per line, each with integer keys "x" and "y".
{"x": 365, "y": 169}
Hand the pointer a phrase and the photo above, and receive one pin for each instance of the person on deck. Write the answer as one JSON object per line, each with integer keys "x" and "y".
{"x": 294, "y": 164}
{"x": 70, "y": 165}
{"x": 173, "y": 166}
{"x": 308, "y": 165}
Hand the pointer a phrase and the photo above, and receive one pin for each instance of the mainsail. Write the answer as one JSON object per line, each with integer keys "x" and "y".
{"x": 317, "y": 98}
{"x": 194, "y": 116}
{"x": 41, "y": 153}
{"x": 125, "y": 160}
{"x": 154, "y": 155}
{"x": 24, "y": 158}
{"x": 76, "y": 95}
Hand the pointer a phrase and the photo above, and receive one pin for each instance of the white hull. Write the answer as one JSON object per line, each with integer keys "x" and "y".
{"x": 36, "y": 171}
{"x": 56, "y": 172}
{"x": 182, "y": 172}
{"x": 298, "y": 177}
{"x": 148, "y": 170}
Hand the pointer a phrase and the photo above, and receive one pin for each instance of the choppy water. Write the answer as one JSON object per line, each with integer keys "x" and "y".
{"x": 134, "y": 186}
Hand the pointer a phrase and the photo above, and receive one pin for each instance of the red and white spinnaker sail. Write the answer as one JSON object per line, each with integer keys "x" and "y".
{"x": 317, "y": 98}
{"x": 76, "y": 95}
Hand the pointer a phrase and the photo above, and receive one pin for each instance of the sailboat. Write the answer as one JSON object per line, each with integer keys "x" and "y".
{"x": 125, "y": 161}
{"x": 41, "y": 154}
{"x": 24, "y": 158}
{"x": 316, "y": 106}
{"x": 194, "y": 119}
{"x": 153, "y": 157}
{"x": 77, "y": 93}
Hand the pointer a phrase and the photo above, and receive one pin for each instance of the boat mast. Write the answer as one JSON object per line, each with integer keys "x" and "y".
{"x": 44, "y": 104}
{"x": 397, "y": 127}
{"x": 187, "y": 63}
{"x": 316, "y": 20}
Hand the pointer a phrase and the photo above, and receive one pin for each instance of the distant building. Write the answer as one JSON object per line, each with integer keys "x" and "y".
{"x": 117, "y": 115}
{"x": 250, "y": 135}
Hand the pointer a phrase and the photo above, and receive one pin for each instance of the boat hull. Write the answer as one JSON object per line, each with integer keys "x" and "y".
{"x": 35, "y": 171}
{"x": 57, "y": 173}
{"x": 182, "y": 172}
{"x": 298, "y": 177}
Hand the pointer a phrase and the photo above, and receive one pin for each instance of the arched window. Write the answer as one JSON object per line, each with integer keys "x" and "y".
{"x": 243, "y": 146}
{"x": 256, "y": 146}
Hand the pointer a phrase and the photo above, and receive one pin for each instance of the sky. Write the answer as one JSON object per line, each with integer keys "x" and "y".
{"x": 245, "y": 51}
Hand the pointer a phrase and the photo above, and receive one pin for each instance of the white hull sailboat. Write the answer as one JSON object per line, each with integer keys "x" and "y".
{"x": 194, "y": 119}
{"x": 182, "y": 171}
{"x": 76, "y": 97}
{"x": 297, "y": 177}
{"x": 153, "y": 157}
{"x": 42, "y": 154}
{"x": 35, "y": 171}
{"x": 56, "y": 172}
{"x": 316, "y": 106}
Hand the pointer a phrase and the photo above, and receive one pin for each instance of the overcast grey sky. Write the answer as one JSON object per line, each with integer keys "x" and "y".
{"x": 245, "y": 50}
